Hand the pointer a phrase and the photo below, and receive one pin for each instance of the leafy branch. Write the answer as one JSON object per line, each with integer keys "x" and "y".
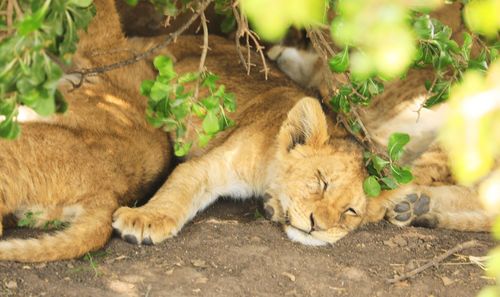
{"x": 172, "y": 102}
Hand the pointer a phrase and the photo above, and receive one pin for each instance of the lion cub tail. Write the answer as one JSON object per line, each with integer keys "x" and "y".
{"x": 89, "y": 231}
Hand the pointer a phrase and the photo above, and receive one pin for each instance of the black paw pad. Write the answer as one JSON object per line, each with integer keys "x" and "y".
{"x": 117, "y": 232}
{"x": 411, "y": 198}
{"x": 147, "y": 241}
{"x": 268, "y": 212}
{"x": 403, "y": 217}
{"x": 402, "y": 207}
{"x": 422, "y": 205}
{"x": 130, "y": 239}
{"x": 426, "y": 222}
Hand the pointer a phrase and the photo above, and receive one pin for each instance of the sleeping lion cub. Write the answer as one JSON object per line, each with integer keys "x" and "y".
{"x": 80, "y": 166}
{"x": 287, "y": 149}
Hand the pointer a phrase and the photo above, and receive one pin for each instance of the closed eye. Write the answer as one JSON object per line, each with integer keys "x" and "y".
{"x": 351, "y": 211}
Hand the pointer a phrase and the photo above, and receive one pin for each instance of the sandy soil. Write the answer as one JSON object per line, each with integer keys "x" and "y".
{"x": 230, "y": 251}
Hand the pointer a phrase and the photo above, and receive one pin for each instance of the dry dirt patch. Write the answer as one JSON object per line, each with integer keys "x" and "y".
{"x": 230, "y": 251}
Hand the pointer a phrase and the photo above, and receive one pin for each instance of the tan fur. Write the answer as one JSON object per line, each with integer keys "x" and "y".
{"x": 80, "y": 166}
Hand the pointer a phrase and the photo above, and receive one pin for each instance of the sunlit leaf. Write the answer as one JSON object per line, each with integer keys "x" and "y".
{"x": 396, "y": 144}
{"x": 371, "y": 186}
{"x": 210, "y": 123}
{"x": 402, "y": 175}
{"x": 340, "y": 62}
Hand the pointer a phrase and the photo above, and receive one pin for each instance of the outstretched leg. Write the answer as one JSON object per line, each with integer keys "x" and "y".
{"x": 190, "y": 188}
{"x": 448, "y": 206}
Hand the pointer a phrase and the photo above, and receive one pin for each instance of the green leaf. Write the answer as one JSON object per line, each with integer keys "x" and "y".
{"x": 32, "y": 22}
{"x": 230, "y": 102}
{"x": 345, "y": 90}
{"x": 374, "y": 87}
{"x": 198, "y": 110}
{"x": 211, "y": 102}
{"x": 396, "y": 144}
{"x": 7, "y": 107}
{"x": 159, "y": 91}
{"x": 165, "y": 66}
{"x": 340, "y": 62}
{"x": 61, "y": 104}
{"x": 182, "y": 148}
{"x": 402, "y": 175}
{"x": 379, "y": 163}
{"x": 9, "y": 129}
{"x": 146, "y": 86}
{"x": 188, "y": 77}
{"x": 209, "y": 81}
{"x": 371, "y": 186}
{"x": 44, "y": 106}
{"x": 466, "y": 46}
{"x": 210, "y": 123}
{"x": 86, "y": 3}
{"x": 345, "y": 105}
{"x": 335, "y": 102}
{"x": 423, "y": 27}
{"x": 179, "y": 108}
{"x": 389, "y": 182}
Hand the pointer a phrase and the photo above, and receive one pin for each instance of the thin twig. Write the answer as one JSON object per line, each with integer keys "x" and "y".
{"x": 201, "y": 67}
{"x": 10, "y": 12}
{"x": 238, "y": 35}
{"x": 435, "y": 261}
{"x": 427, "y": 96}
{"x": 171, "y": 37}
{"x": 243, "y": 30}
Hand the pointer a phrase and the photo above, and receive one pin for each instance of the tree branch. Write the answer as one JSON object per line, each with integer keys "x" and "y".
{"x": 324, "y": 50}
{"x": 243, "y": 30}
{"x": 171, "y": 37}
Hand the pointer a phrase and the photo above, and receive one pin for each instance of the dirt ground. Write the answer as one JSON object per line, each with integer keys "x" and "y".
{"x": 230, "y": 251}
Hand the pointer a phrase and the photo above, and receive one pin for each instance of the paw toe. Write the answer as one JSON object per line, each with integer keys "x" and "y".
{"x": 411, "y": 197}
{"x": 147, "y": 241}
{"x": 268, "y": 212}
{"x": 402, "y": 207}
{"x": 403, "y": 217}
{"x": 422, "y": 205}
{"x": 130, "y": 239}
{"x": 143, "y": 226}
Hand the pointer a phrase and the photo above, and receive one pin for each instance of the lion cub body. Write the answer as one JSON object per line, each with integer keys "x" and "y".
{"x": 80, "y": 166}
{"x": 283, "y": 147}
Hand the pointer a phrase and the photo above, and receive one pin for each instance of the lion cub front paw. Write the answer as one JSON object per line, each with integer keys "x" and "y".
{"x": 143, "y": 226}
{"x": 272, "y": 209}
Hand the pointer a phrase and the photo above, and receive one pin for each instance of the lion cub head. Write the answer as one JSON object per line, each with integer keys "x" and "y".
{"x": 317, "y": 192}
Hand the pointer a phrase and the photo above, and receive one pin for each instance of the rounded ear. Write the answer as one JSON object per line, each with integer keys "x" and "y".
{"x": 305, "y": 124}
